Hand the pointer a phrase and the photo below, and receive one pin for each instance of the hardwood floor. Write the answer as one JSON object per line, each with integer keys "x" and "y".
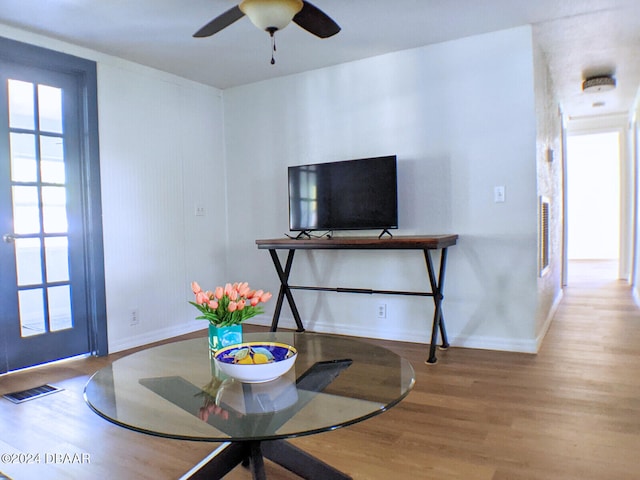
{"x": 572, "y": 412}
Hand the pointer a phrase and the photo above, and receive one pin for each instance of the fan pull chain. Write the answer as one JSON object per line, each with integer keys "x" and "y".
{"x": 273, "y": 50}
{"x": 271, "y": 31}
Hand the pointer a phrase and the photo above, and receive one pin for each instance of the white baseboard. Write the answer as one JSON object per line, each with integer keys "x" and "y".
{"x": 155, "y": 336}
{"x": 494, "y": 343}
{"x": 636, "y": 296}
{"x": 549, "y": 319}
{"x": 478, "y": 342}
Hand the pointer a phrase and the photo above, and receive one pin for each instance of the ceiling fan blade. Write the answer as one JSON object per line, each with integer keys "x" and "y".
{"x": 220, "y": 22}
{"x": 315, "y": 21}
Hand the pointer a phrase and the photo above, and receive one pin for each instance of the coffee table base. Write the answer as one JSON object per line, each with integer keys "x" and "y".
{"x": 252, "y": 453}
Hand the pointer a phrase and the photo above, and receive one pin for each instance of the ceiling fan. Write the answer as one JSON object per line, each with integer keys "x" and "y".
{"x": 274, "y": 15}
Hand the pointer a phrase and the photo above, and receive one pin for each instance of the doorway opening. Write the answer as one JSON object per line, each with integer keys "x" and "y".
{"x": 593, "y": 180}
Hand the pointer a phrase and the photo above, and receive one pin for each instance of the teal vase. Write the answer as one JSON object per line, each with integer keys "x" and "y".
{"x": 220, "y": 337}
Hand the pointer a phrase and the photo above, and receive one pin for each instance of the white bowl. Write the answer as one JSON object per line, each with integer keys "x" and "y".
{"x": 234, "y": 361}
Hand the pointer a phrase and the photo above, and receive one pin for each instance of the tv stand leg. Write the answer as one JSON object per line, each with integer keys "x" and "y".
{"x": 385, "y": 231}
{"x": 285, "y": 291}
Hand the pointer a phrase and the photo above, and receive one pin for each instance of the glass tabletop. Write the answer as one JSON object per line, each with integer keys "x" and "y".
{"x": 174, "y": 390}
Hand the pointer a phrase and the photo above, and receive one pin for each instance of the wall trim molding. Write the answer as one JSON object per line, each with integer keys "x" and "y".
{"x": 550, "y": 316}
{"x": 144, "y": 339}
{"x": 464, "y": 341}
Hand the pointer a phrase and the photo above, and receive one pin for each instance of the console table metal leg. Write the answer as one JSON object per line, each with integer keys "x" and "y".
{"x": 437, "y": 288}
{"x": 285, "y": 291}
{"x": 443, "y": 265}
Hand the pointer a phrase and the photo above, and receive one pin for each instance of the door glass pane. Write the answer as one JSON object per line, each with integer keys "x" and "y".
{"x": 21, "y": 105}
{"x": 54, "y": 209}
{"x": 52, "y": 160}
{"x": 26, "y": 214}
{"x": 50, "y": 108}
{"x": 23, "y": 157}
{"x": 31, "y": 308}
{"x": 57, "y": 259}
{"x": 28, "y": 261}
{"x": 59, "y": 308}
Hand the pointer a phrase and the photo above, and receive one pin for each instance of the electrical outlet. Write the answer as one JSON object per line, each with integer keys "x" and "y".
{"x": 381, "y": 311}
{"x": 200, "y": 211}
{"x": 134, "y": 318}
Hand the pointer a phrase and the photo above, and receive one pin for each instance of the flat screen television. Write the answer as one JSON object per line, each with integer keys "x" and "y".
{"x": 357, "y": 194}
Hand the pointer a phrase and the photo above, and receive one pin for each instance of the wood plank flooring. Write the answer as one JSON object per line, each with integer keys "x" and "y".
{"x": 572, "y": 412}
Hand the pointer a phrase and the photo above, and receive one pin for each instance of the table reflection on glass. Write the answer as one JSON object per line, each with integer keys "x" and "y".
{"x": 174, "y": 391}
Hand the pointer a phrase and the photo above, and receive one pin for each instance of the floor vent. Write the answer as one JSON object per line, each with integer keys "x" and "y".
{"x": 30, "y": 394}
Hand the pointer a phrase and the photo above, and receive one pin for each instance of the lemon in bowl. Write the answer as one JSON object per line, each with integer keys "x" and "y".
{"x": 256, "y": 362}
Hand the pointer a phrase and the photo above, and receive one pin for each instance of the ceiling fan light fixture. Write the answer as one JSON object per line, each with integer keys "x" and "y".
{"x": 598, "y": 84}
{"x": 270, "y": 15}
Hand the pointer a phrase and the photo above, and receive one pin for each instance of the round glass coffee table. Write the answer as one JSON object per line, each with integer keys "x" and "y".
{"x": 174, "y": 391}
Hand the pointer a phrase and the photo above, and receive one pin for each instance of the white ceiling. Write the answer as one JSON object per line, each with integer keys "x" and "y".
{"x": 579, "y": 37}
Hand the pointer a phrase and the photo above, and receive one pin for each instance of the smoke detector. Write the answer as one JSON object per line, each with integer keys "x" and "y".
{"x": 598, "y": 84}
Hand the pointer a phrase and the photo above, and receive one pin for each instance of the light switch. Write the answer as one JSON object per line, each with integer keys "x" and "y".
{"x": 498, "y": 194}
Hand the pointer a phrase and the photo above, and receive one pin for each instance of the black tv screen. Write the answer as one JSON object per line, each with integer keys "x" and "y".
{"x": 349, "y": 195}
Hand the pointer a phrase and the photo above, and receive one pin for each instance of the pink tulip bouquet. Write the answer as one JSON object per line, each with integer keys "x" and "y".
{"x": 228, "y": 305}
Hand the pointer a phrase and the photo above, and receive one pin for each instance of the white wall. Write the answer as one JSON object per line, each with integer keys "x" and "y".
{"x": 549, "y": 168}
{"x": 461, "y": 117}
{"x": 161, "y": 147}
{"x": 161, "y": 154}
{"x": 633, "y": 145}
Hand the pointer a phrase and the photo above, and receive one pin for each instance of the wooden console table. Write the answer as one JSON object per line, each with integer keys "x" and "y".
{"x": 424, "y": 243}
